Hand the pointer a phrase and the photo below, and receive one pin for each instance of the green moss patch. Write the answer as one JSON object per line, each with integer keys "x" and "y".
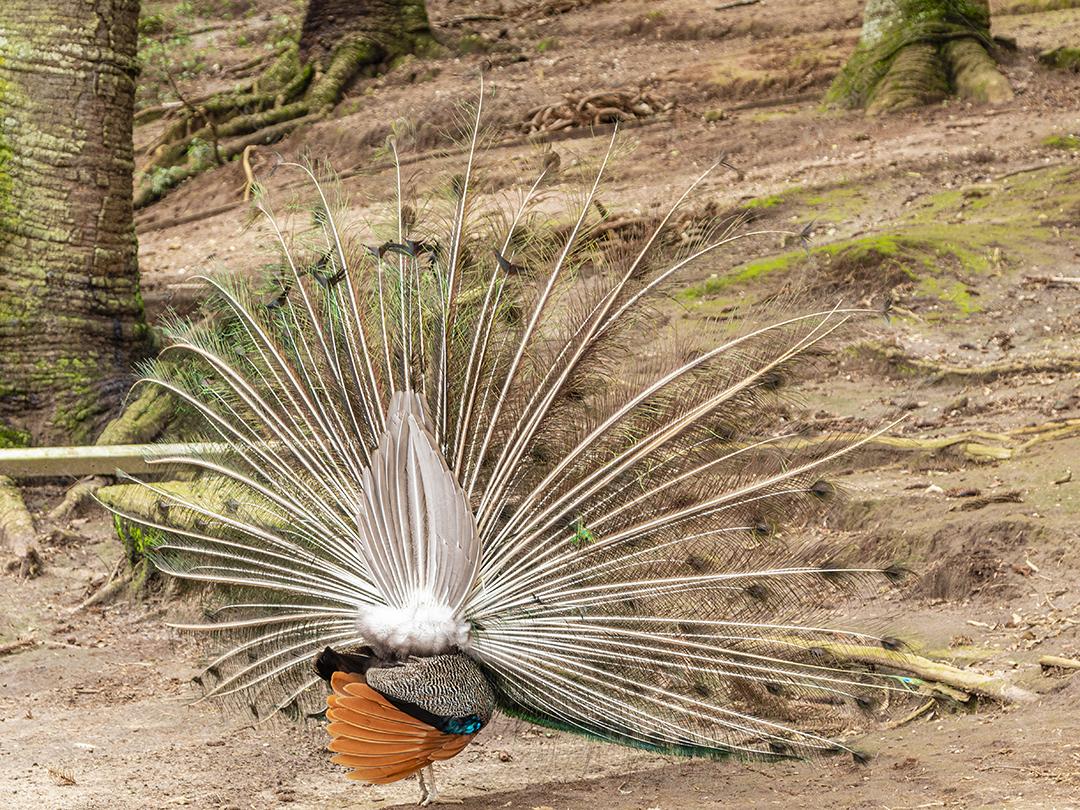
{"x": 1070, "y": 142}
{"x": 1062, "y": 59}
{"x": 13, "y": 437}
{"x": 947, "y": 240}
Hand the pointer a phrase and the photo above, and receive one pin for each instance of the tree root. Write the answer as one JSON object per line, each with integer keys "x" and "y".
{"x": 1057, "y": 662}
{"x": 974, "y": 73}
{"x": 76, "y": 496}
{"x": 958, "y": 683}
{"x": 915, "y": 78}
{"x": 977, "y": 445}
{"x": 18, "y": 532}
{"x": 899, "y": 361}
{"x": 295, "y": 95}
{"x": 111, "y": 588}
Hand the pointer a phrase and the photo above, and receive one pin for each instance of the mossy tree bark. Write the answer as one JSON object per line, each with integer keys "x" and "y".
{"x": 915, "y": 52}
{"x": 71, "y": 318}
{"x": 339, "y": 39}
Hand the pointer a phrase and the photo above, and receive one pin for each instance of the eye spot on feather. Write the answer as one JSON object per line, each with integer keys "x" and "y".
{"x": 701, "y": 689}
{"x": 772, "y": 380}
{"x": 893, "y": 644}
{"x": 822, "y": 489}
{"x": 698, "y": 564}
{"x": 757, "y": 591}
{"x": 581, "y": 536}
{"x": 774, "y": 689}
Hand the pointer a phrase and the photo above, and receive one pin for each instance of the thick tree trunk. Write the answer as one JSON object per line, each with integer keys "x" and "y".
{"x": 71, "y": 322}
{"x": 914, "y": 52}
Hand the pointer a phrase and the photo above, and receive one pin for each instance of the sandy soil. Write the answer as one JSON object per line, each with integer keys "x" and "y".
{"x": 94, "y": 709}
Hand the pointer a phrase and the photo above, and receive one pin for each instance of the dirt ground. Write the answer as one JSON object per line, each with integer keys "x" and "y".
{"x": 961, "y": 216}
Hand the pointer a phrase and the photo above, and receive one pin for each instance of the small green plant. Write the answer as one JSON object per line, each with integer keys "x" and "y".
{"x": 200, "y": 154}
{"x": 1069, "y": 142}
{"x": 138, "y": 540}
{"x": 547, "y": 44}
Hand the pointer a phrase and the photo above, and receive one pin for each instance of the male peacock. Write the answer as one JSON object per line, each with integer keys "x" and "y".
{"x": 449, "y": 475}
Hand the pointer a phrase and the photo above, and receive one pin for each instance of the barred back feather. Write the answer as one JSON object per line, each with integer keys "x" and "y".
{"x": 462, "y": 441}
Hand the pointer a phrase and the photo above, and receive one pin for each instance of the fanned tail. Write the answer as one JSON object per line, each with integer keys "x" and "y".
{"x": 474, "y": 432}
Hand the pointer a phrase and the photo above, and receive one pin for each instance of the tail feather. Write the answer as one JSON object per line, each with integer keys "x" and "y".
{"x": 472, "y": 446}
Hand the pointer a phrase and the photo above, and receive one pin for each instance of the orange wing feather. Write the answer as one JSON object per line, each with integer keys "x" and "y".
{"x": 376, "y": 739}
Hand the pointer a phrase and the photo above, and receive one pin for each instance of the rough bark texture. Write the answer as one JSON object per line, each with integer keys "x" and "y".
{"x": 71, "y": 322}
{"x": 339, "y": 39}
{"x": 914, "y": 52}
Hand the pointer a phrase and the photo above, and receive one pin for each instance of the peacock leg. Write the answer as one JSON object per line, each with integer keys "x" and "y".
{"x": 425, "y": 798}
{"x": 428, "y": 791}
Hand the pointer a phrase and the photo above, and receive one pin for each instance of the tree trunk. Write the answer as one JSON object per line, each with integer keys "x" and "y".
{"x": 338, "y": 40}
{"x": 914, "y": 52}
{"x": 71, "y": 321}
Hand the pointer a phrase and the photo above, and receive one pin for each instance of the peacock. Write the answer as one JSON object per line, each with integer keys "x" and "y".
{"x": 460, "y": 460}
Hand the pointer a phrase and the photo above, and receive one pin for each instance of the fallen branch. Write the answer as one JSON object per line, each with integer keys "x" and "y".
{"x": 933, "y": 672}
{"x": 735, "y": 4}
{"x": 17, "y": 646}
{"x": 1053, "y": 281}
{"x": 18, "y": 532}
{"x": 942, "y": 372}
{"x": 1054, "y": 661}
{"x": 907, "y": 718}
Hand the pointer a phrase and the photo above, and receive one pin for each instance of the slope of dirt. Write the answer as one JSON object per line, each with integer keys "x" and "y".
{"x": 959, "y": 218}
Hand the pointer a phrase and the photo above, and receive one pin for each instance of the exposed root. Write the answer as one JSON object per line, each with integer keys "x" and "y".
{"x": 141, "y": 422}
{"x": 1057, "y": 662}
{"x": 76, "y": 496}
{"x": 110, "y": 589}
{"x": 289, "y": 95}
{"x": 975, "y": 74}
{"x": 899, "y": 361}
{"x": 915, "y": 78}
{"x": 976, "y": 445}
{"x": 18, "y": 532}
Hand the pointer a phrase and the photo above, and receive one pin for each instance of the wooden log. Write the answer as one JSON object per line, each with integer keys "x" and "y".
{"x": 1050, "y": 661}
{"x": 934, "y": 672}
{"x": 17, "y": 531}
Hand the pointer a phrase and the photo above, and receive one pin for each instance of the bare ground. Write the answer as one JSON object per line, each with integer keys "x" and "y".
{"x": 94, "y": 708}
